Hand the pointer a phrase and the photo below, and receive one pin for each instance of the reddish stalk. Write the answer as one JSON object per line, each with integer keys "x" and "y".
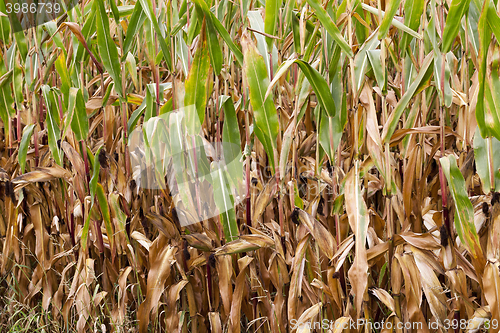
{"x": 86, "y": 161}
{"x": 247, "y": 166}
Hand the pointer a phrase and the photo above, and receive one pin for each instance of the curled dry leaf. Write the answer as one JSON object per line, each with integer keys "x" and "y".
{"x": 199, "y": 241}
{"x": 325, "y": 240}
{"x": 161, "y": 258}
{"x": 245, "y": 243}
{"x": 42, "y": 174}
{"x": 358, "y": 220}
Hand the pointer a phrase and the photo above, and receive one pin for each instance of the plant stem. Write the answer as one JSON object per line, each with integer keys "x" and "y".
{"x": 489, "y": 143}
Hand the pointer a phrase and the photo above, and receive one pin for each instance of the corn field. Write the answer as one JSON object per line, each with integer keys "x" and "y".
{"x": 250, "y": 166}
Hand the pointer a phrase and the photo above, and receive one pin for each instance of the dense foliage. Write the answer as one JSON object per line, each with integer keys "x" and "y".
{"x": 366, "y": 145}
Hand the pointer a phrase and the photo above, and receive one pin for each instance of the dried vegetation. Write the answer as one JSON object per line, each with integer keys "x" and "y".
{"x": 368, "y": 135}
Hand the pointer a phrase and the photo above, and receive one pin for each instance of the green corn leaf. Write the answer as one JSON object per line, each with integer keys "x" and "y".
{"x": 107, "y": 48}
{"x": 6, "y": 101}
{"x": 394, "y": 22}
{"x": 136, "y": 22}
{"x": 18, "y": 85}
{"x": 464, "y": 212}
{"x": 23, "y": 146}
{"x": 231, "y": 142}
{"x": 53, "y": 130}
{"x": 482, "y": 160}
{"x": 413, "y": 12}
{"x": 62, "y": 70}
{"x": 79, "y": 121}
{"x": 472, "y": 21}
{"x": 330, "y": 133}
{"x": 194, "y": 24}
{"x": 220, "y": 28}
{"x": 21, "y": 44}
{"x": 392, "y": 122}
{"x": 89, "y": 28}
{"x": 103, "y": 203}
{"x": 224, "y": 202}
{"x": 296, "y": 33}
{"x": 388, "y": 17}
{"x": 93, "y": 189}
{"x": 486, "y": 129}
{"x": 117, "y": 212}
{"x": 4, "y": 25}
{"x": 299, "y": 203}
{"x": 179, "y": 25}
{"x": 114, "y": 10}
{"x": 457, "y": 10}
{"x": 493, "y": 19}
{"x": 488, "y": 99}
{"x": 362, "y": 32}
{"x": 132, "y": 121}
{"x": 257, "y": 24}
{"x": 147, "y": 7}
{"x": 150, "y": 102}
{"x": 378, "y": 71}
{"x": 266, "y": 120}
{"x": 330, "y": 27}
{"x": 196, "y": 85}
{"x": 361, "y": 60}
{"x": 216, "y": 56}
{"x": 105, "y": 99}
{"x": 124, "y": 11}
{"x": 271, "y": 19}
{"x": 314, "y": 78}
{"x": 131, "y": 67}
{"x": 181, "y": 50}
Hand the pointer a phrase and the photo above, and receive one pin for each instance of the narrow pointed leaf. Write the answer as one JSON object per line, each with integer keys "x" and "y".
{"x": 395, "y": 22}
{"x": 464, "y": 212}
{"x": 216, "y": 56}
{"x": 147, "y": 7}
{"x": 23, "y": 147}
{"x": 314, "y": 78}
{"x": 358, "y": 220}
{"x": 107, "y": 47}
{"x": 413, "y": 12}
{"x": 330, "y": 27}
{"x": 79, "y": 121}
{"x": 54, "y": 132}
{"x": 224, "y": 202}
{"x": 231, "y": 143}
{"x": 393, "y": 120}
{"x": 220, "y": 28}
{"x": 388, "y": 17}
{"x": 266, "y": 119}
{"x": 135, "y": 24}
{"x": 271, "y": 19}
{"x": 457, "y": 10}
{"x": 103, "y": 203}
{"x": 196, "y": 84}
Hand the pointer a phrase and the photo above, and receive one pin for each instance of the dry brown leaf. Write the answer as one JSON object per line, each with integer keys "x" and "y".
{"x": 199, "y": 241}
{"x": 43, "y": 175}
{"x": 308, "y": 315}
{"x": 385, "y": 298}
{"x": 491, "y": 284}
{"x": 358, "y": 220}
{"x": 161, "y": 256}
{"x": 234, "y": 317}
{"x": 293, "y": 293}
{"x": 323, "y": 238}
